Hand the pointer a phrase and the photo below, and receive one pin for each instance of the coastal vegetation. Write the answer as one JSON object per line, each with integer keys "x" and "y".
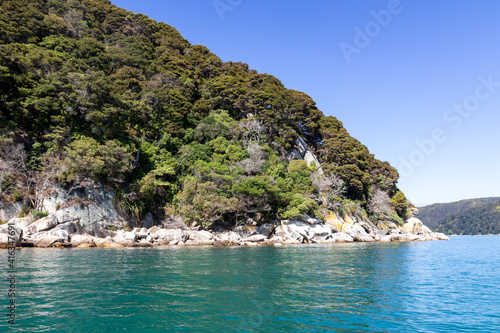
{"x": 92, "y": 93}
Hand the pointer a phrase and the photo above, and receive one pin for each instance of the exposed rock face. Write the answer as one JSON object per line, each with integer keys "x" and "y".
{"x": 23, "y": 222}
{"x": 256, "y": 238}
{"x": 245, "y": 231}
{"x": 342, "y": 237}
{"x": 228, "y": 238}
{"x": 92, "y": 209}
{"x": 6, "y": 235}
{"x": 266, "y": 228}
{"x": 9, "y": 210}
{"x": 43, "y": 224}
{"x": 82, "y": 241}
{"x": 148, "y": 221}
{"x": 169, "y": 236}
{"x": 202, "y": 237}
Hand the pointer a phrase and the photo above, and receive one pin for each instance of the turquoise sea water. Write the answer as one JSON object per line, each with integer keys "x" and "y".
{"x": 413, "y": 287}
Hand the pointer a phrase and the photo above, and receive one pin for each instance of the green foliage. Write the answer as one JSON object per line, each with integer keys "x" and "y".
{"x": 87, "y": 158}
{"x": 24, "y": 212}
{"x": 298, "y": 166}
{"x": 99, "y": 93}
{"x": 396, "y": 218}
{"x": 38, "y": 214}
{"x": 400, "y": 204}
{"x": 300, "y": 205}
{"x": 17, "y": 196}
{"x": 130, "y": 204}
{"x": 203, "y": 202}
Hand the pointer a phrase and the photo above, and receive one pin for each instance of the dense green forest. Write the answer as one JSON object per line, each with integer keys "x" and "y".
{"x": 94, "y": 93}
{"x": 466, "y": 217}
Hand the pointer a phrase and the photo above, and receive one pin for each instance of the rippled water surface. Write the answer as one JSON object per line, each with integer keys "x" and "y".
{"x": 418, "y": 287}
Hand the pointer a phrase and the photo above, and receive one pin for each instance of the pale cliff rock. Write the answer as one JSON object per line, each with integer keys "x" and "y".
{"x": 5, "y": 232}
{"x": 88, "y": 218}
{"x": 93, "y": 208}
{"x": 9, "y": 210}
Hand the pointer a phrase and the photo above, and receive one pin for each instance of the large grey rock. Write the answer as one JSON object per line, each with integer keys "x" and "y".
{"x": 70, "y": 227}
{"x": 82, "y": 241}
{"x": 440, "y": 236}
{"x": 294, "y": 228}
{"x": 320, "y": 230}
{"x": 10, "y": 210}
{"x": 341, "y": 237}
{"x": 369, "y": 227}
{"x": 141, "y": 233}
{"x": 43, "y": 224}
{"x": 93, "y": 207}
{"x": 107, "y": 242}
{"x": 148, "y": 221}
{"x": 359, "y": 234}
{"x": 289, "y": 234}
{"x": 229, "y": 238}
{"x": 143, "y": 243}
{"x": 6, "y": 231}
{"x": 130, "y": 236}
{"x": 386, "y": 238}
{"x": 61, "y": 234}
{"x": 255, "y": 238}
{"x": 173, "y": 222}
{"x": 414, "y": 238}
{"x": 245, "y": 231}
{"x": 45, "y": 240}
{"x": 165, "y": 236}
{"x": 401, "y": 237}
{"x": 64, "y": 216}
{"x": 153, "y": 230}
{"x": 23, "y": 222}
{"x": 51, "y": 238}
{"x": 265, "y": 229}
{"x": 125, "y": 238}
{"x": 201, "y": 237}
{"x": 275, "y": 240}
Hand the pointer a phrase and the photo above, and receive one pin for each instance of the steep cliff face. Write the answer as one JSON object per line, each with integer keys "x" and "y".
{"x": 89, "y": 210}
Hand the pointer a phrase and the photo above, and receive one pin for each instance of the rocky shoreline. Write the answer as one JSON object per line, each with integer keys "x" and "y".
{"x": 49, "y": 232}
{"x": 88, "y": 217}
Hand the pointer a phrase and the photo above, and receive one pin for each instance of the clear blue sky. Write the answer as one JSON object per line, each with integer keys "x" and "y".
{"x": 413, "y": 75}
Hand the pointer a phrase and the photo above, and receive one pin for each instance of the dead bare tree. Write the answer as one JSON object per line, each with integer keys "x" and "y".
{"x": 12, "y": 163}
{"x": 252, "y": 130}
{"x": 330, "y": 187}
{"x": 379, "y": 203}
{"x": 255, "y": 161}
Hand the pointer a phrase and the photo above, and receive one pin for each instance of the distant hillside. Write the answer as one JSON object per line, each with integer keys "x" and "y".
{"x": 466, "y": 217}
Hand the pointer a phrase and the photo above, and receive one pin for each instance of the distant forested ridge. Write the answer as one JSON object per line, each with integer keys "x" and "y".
{"x": 93, "y": 93}
{"x": 466, "y": 217}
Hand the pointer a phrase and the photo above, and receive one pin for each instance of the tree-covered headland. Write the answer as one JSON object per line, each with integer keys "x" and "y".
{"x": 93, "y": 93}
